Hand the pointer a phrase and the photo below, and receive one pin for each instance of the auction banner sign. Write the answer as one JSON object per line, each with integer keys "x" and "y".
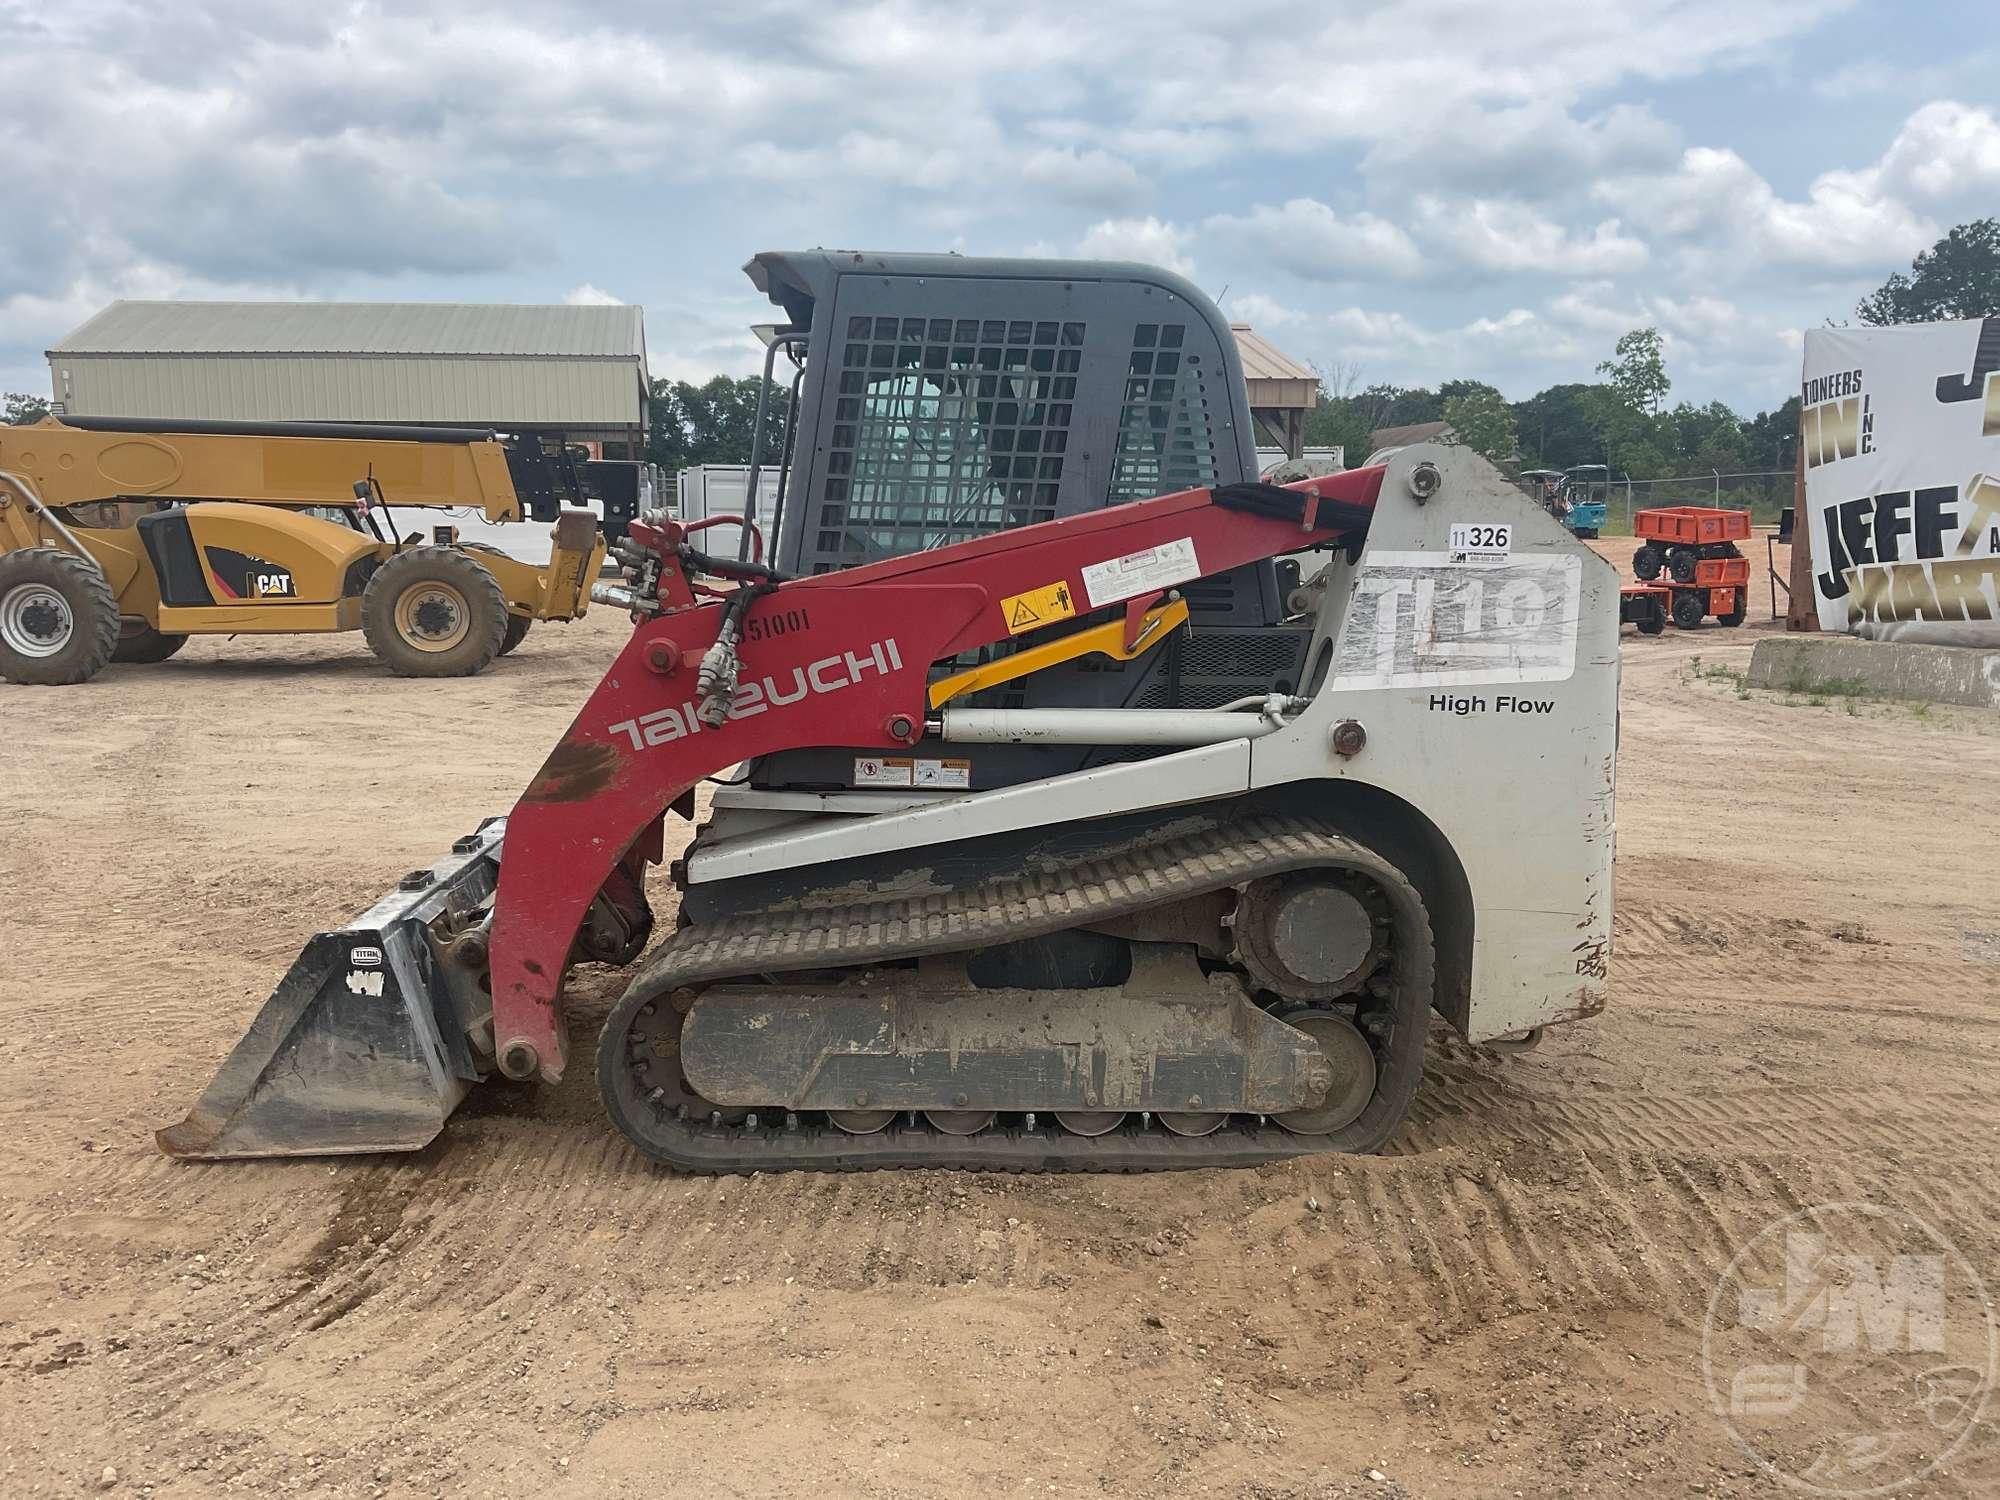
{"x": 1900, "y": 430}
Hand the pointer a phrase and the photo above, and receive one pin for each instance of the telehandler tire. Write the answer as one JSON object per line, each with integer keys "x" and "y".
{"x": 517, "y": 632}
{"x": 58, "y": 619}
{"x": 434, "y": 612}
{"x": 138, "y": 642}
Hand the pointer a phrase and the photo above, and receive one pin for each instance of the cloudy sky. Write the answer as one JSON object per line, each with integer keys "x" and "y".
{"x": 1410, "y": 190}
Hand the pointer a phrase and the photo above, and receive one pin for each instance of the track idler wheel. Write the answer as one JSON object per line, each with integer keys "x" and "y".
{"x": 1351, "y": 1062}
{"x": 655, "y": 1038}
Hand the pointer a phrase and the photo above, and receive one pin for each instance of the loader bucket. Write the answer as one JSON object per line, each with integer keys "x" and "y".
{"x": 374, "y": 1035}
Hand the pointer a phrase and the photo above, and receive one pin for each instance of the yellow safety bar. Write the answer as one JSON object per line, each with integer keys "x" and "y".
{"x": 1107, "y": 639}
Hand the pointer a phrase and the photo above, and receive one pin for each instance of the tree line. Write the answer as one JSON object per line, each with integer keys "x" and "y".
{"x": 1621, "y": 420}
{"x": 1624, "y": 420}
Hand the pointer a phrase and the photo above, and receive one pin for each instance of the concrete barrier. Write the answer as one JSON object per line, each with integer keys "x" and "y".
{"x": 1968, "y": 675}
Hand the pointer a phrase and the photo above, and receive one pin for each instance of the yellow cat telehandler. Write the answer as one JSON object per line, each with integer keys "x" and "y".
{"x": 122, "y": 537}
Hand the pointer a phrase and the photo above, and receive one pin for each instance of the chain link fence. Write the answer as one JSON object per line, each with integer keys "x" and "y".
{"x": 1762, "y": 492}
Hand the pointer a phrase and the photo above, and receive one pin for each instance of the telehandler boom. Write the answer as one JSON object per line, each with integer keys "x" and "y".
{"x": 120, "y": 538}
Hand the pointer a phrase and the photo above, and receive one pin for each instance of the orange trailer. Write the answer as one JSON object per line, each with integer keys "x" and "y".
{"x": 1706, "y": 574}
{"x": 1691, "y": 526}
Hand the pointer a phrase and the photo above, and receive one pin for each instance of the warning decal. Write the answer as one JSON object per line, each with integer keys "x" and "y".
{"x": 1142, "y": 572}
{"x": 876, "y": 770}
{"x": 1037, "y": 607}
{"x": 954, "y": 774}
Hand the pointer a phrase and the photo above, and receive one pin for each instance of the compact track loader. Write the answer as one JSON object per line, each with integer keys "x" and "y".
{"x": 120, "y": 538}
{"x": 1065, "y": 829}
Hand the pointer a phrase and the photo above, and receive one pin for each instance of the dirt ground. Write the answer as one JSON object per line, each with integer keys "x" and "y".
{"x": 1805, "y": 1007}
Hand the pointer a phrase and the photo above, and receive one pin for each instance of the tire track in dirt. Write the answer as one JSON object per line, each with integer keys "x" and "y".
{"x": 1464, "y": 1107}
{"x": 1450, "y": 1242}
{"x": 380, "y": 1264}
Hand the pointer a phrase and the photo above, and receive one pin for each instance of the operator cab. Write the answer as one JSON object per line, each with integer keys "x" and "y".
{"x": 935, "y": 398}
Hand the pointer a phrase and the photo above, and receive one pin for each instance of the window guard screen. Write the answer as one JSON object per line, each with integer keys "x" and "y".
{"x": 944, "y": 429}
{"x": 1165, "y": 441}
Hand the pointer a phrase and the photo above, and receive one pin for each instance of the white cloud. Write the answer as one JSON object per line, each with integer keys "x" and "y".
{"x": 1518, "y": 350}
{"x": 1514, "y": 321}
{"x": 1379, "y": 74}
{"x": 588, "y": 295}
{"x": 1945, "y": 157}
{"x": 1310, "y": 240}
{"x": 1403, "y": 177}
{"x": 1588, "y": 308}
{"x": 1090, "y": 178}
{"x": 1261, "y": 312}
{"x": 1499, "y": 235}
{"x": 1728, "y": 216}
{"x": 1150, "y": 240}
{"x": 31, "y": 321}
{"x": 1538, "y": 149}
{"x": 1945, "y": 153}
{"x": 1376, "y": 330}
{"x": 1939, "y": 77}
{"x": 1705, "y": 337}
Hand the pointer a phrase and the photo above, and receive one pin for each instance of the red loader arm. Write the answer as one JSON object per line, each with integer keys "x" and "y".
{"x": 838, "y": 659}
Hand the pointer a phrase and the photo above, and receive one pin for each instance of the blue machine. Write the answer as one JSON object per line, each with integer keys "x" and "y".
{"x": 1584, "y": 497}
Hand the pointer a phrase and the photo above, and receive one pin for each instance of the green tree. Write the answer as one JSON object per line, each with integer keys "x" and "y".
{"x": 1771, "y": 437}
{"x": 22, "y": 408}
{"x": 1398, "y": 406}
{"x": 1349, "y": 414}
{"x": 1337, "y": 422}
{"x": 711, "y": 423}
{"x": 1481, "y": 417}
{"x": 1958, "y": 277}
{"x": 1558, "y": 428}
{"x": 1639, "y": 370}
{"x": 1704, "y": 439}
{"x": 1628, "y": 435}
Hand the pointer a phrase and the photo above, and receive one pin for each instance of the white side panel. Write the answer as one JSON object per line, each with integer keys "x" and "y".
{"x": 1165, "y": 781}
{"x": 1489, "y": 692}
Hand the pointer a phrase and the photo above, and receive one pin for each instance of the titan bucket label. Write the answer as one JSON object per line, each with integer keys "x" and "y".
{"x": 1438, "y": 619}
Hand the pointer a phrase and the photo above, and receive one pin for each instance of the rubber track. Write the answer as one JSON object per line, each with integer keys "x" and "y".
{"x": 1180, "y": 866}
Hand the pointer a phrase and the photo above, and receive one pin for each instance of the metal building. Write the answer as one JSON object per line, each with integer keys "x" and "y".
{"x": 576, "y": 371}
